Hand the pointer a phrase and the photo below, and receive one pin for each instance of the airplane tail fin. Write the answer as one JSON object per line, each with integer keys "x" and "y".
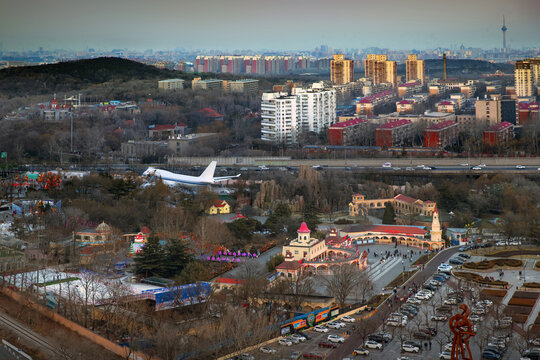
{"x": 208, "y": 174}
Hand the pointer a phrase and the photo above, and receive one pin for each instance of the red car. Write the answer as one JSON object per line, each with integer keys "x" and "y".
{"x": 312, "y": 356}
{"x": 327, "y": 345}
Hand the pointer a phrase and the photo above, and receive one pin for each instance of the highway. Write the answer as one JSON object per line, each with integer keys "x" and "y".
{"x": 31, "y": 336}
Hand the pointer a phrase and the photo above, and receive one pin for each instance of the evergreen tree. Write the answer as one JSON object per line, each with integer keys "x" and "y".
{"x": 176, "y": 258}
{"x": 389, "y": 216}
{"x": 150, "y": 261}
{"x": 310, "y": 214}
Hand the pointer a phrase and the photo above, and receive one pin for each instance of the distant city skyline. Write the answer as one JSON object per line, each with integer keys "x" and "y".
{"x": 261, "y": 25}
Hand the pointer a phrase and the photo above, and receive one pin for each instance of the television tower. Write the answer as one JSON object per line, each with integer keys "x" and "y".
{"x": 504, "y": 28}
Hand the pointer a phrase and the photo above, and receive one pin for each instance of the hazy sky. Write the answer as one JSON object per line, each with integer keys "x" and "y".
{"x": 266, "y": 24}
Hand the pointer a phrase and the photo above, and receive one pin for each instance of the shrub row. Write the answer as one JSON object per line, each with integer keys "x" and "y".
{"x": 522, "y": 302}
{"x": 493, "y": 292}
{"x": 488, "y": 264}
{"x": 508, "y": 253}
{"x": 479, "y": 279}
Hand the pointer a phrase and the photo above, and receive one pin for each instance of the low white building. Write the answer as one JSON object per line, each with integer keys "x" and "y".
{"x": 171, "y": 84}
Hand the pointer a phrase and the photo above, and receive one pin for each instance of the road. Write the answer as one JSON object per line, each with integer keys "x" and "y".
{"x": 30, "y": 336}
{"x": 380, "y": 316}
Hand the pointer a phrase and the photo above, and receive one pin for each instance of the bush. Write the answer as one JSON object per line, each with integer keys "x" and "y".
{"x": 479, "y": 279}
{"x": 488, "y": 264}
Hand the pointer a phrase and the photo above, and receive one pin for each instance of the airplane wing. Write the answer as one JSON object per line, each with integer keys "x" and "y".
{"x": 224, "y": 178}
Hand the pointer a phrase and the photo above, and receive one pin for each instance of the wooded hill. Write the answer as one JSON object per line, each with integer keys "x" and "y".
{"x": 76, "y": 75}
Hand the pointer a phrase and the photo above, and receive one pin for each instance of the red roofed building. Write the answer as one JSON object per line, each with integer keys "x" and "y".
{"x": 345, "y": 133}
{"x": 441, "y": 134}
{"x": 528, "y": 112}
{"x": 368, "y": 104}
{"x": 161, "y": 132}
{"x": 210, "y": 114}
{"x": 394, "y": 133}
{"x": 402, "y": 205}
{"x": 405, "y": 106}
{"x": 446, "y": 106}
{"x": 219, "y": 207}
{"x": 222, "y": 283}
{"x": 409, "y": 88}
{"x": 499, "y": 134}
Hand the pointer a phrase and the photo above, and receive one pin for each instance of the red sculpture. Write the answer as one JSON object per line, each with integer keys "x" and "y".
{"x": 462, "y": 328}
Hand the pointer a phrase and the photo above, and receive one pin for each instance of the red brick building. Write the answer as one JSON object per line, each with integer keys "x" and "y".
{"x": 441, "y": 134}
{"x": 346, "y": 133}
{"x": 394, "y": 133}
{"x": 528, "y": 112}
{"x": 499, "y": 134}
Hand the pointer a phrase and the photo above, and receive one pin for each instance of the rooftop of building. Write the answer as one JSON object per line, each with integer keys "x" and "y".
{"x": 500, "y": 126}
{"x": 289, "y": 265}
{"x": 395, "y": 124}
{"x": 405, "y": 102}
{"x": 230, "y": 281}
{"x": 347, "y": 123}
{"x": 405, "y": 198}
{"x": 409, "y": 84}
{"x": 208, "y": 81}
{"x": 171, "y": 80}
{"x": 370, "y": 98}
{"x": 530, "y": 105}
{"x": 442, "y": 125}
{"x": 244, "y": 81}
{"x": 388, "y": 229}
{"x": 446, "y": 102}
{"x": 164, "y": 127}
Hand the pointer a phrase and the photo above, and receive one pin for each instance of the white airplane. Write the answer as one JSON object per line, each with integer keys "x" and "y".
{"x": 172, "y": 179}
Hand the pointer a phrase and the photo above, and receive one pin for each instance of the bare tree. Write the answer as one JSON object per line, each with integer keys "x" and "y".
{"x": 343, "y": 281}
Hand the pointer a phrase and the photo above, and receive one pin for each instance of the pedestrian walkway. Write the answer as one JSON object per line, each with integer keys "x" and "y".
{"x": 533, "y": 314}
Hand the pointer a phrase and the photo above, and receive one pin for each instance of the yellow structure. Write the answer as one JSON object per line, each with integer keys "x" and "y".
{"x": 380, "y": 69}
{"x": 304, "y": 247}
{"x": 415, "y": 69}
{"x": 219, "y": 207}
{"x": 341, "y": 70}
{"x": 402, "y": 205}
{"x": 527, "y": 77}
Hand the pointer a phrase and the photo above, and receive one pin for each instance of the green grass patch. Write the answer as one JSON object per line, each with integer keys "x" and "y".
{"x": 61, "y": 281}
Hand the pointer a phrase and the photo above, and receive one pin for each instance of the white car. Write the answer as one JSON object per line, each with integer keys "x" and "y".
{"x": 520, "y": 167}
{"x": 285, "y": 342}
{"x": 333, "y": 325}
{"x": 320, "y": 328}
{"x": 408, "y": 168}
{"x": 414, "y": 301}
{"x": 335, "y": 338}
{"x": 445, "y": 268}
{"x": 421, "y": 296}
{"x": 482, "y": 165}
{"x": 410, "y": 348}
{"x": 464, "y": 164}
{"x": 348, "y": 318}
{"x": 267, "y": 350}
{"x": 387, "y": 165}
{"x": 421, "y": 166}
{"x": 445, "y": 355}
{"x": 476, "y": 168}
{"x": 340, "y": 324}
{"x": 373, "y": 345}
{"x": 394, "y": 322}
{"x": 484, "y": 303}
{"x": 298, "y": 337}
{"x": 396, "y": 168}
{"x": 448, "y": 347}
{"x": 476, "y": 318}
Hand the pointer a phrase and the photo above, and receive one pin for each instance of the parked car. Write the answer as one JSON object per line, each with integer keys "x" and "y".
{"x": 439, "y": 317}
{"x": 247, "y": 356}
{"x": 387, "y": 336}
{"x": 410, "y": 348}
{"x": 451, "y": 301}
{"x": 373, "y": 345}
{"x": 446, "y": 355}
{"x": 295, "y": 355}
{"x": 455, "y": 261}
{"x": 320, "y": 328}
{"x": 377, "y": 337}
{"x": 360, "y": 351}
{"x": 298, "y": 337}
{"x": 429, "y": 330}
{"x": 285, "y": 342}
{"x": 476, "y": 318}
{"x": 465, "y": 256}
{"x": 336, "y": 339}
{"x": 485, "y": 303}
{"x": 267, "y": 350}
{"x": 414, "y": 300}
{"x": 324, "y": 344}
{"x": 348, "y": 319}
{"x": 421, "y": 335}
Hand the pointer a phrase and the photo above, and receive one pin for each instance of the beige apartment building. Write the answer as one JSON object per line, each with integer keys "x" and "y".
{"x": 341, "y": 70}
{"x": 527, "y": 77}
{"x": 380, "y": 69}
{"x": 415, "y": 69}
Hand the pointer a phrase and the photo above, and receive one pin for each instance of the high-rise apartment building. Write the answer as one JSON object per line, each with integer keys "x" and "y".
{"x": 380, "y": 69}
{"x": 285, "y": 117}
{"x": 496, "y": 109}
{"x": 527, "y": 77}
{"x": 415, "y": 69}
{"x": 341, "y": 70}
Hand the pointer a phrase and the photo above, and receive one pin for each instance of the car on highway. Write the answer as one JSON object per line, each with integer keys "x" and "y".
{"x": 387, "y": 165}
{"x": 482, "y": 165}
{"x": 285, "y": 342}
{"x": 320, "y": 328}
{"x": 421, "y": 166}
{"x": 336, "y": 338}
{"x": 476, "y": 168}
{"x": 408, "y": 168}
{"x": 464, "y": 164}
{"x": 520, "y": 167}
{"x": 348, "y": 318}
{"x": 360, "y": 351}
{"x": 445, "y": 355}
{"x": 410, "y": 348}
{"x": 298, "y": 337}
{"x": 267, "y": 350}
{"x": 396, "y": 168}
{"x": 373, "y": 345}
